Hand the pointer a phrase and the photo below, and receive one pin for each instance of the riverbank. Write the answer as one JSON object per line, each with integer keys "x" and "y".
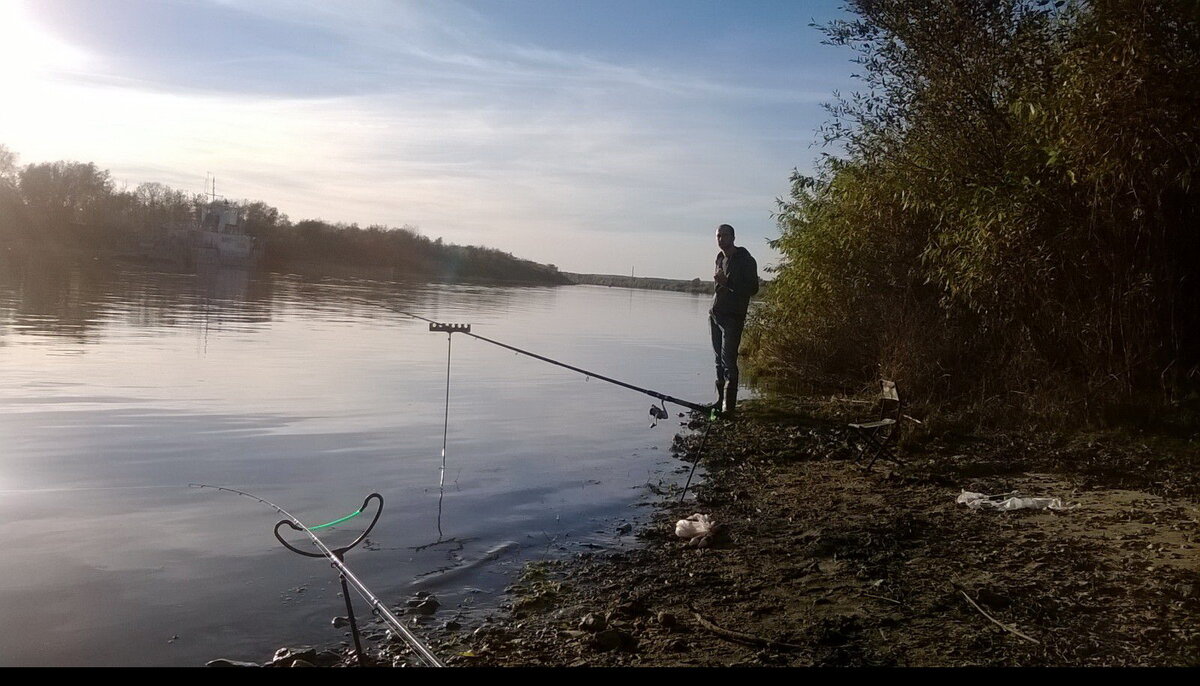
{"x": 824, "y": 564}
{"x": 828, "y": 565}
{"x": 695, "y": 286}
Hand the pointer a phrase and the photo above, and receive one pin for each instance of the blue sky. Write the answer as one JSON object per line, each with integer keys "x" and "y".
{"x": 598, "y": 136}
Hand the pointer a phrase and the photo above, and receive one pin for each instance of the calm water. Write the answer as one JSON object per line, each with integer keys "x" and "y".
{"x": 118, "y": 389}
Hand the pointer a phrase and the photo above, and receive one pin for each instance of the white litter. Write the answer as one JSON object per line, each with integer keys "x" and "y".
{"x": 696, "y": 525}
{"x": 1009, "y": 501}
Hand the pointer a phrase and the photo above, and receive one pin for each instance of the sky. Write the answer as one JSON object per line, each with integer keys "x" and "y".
{"x": 600, "y": 136}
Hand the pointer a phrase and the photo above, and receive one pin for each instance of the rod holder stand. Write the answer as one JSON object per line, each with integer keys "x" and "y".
{"x": 339, "y": 554}
{"x": 450, "y": 328}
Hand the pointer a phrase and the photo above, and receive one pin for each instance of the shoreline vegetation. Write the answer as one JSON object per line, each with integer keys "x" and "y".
{"x": 1008, "y": 230}
{"x": 70, "y": 211}
{"x": 63, "y": 211}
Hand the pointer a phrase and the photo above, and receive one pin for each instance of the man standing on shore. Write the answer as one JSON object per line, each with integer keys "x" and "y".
{"x": 737, "y": 282}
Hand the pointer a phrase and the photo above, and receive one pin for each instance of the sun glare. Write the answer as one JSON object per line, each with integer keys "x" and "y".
{"x": 32, "y": 66}
{"x": 27, "y": 52}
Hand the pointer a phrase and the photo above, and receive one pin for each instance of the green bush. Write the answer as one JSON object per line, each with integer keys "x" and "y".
{"x": 1013, "y": 219}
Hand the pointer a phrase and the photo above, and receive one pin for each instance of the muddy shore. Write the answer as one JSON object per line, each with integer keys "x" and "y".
{"x": 821, "y": 563}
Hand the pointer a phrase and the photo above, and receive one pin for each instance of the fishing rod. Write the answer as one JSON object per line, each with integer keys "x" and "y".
{"x": 466, "y": 329}
{"x": 656, "y": 412}
{"x": 335, "y": 556}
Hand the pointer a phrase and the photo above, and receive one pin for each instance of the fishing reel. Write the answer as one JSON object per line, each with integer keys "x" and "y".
{"x": 656, "y": 413}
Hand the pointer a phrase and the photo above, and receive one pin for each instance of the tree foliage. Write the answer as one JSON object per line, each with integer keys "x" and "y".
{"x": 65, "y": 192}
{"x": 75, "y": 206}
{"x": 1014, "y": 214}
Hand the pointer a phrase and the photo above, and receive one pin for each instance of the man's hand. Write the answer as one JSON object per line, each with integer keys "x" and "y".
{"x": 721, "y": 278}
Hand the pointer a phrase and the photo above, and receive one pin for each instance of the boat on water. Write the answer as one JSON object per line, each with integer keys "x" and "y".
{"x": 221, "y": 237}
{"x": 215, "y": 236}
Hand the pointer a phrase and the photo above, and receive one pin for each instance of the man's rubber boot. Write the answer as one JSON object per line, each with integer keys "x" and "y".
{"x": 730, "y": 398}
{"x": 720, "y": 404}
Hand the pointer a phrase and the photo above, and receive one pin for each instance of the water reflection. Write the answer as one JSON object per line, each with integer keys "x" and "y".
{"x": 51, "y": 298}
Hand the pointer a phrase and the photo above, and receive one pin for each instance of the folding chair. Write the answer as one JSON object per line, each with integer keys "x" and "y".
{"x": 882, "y": 436}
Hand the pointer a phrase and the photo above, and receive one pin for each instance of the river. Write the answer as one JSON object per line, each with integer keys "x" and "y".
{"x": 119, "y": 387}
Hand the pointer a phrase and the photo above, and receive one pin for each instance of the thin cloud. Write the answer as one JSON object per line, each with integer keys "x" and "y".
{"x": 428, "y": 115}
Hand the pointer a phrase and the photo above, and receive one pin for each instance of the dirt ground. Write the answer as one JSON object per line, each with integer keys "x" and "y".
{"x": 825, "y": 564}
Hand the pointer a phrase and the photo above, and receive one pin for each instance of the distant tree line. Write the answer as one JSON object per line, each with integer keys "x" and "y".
{"x": 1011, "y": 225}
{"x": 66, "y": 207}
{"x": 643, "y": 282}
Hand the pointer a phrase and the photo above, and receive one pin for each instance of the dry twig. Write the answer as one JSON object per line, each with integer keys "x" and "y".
{"x": 879, "y": 597}
{"x": 742, "y": 637}
{"x": 994, "y": 621}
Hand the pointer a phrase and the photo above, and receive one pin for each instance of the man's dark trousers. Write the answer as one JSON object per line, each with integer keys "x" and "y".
{"x": 726, "y": 337}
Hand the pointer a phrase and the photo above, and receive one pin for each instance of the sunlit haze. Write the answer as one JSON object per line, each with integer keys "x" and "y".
{"x": 598, "y": 136}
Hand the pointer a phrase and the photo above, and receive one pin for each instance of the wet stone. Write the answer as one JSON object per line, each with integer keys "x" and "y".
{"x": 427, "y": 606}
{"x": 222, "y": 662}
{"x": 328, "y": 658}
{"x": 284, "y": 657}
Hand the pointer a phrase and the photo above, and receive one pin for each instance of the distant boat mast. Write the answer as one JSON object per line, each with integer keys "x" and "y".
{"x": 210, "y": 181}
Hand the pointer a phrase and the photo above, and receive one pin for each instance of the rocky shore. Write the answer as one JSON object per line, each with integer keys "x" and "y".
{"x": 817, "y": 562}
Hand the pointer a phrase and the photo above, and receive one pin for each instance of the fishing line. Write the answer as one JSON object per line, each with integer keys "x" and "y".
{"x": 80, "y": 489}
{"x": 346, "y": 576}
{"x": 466, "y": 329}
{"x": 655, "y": 412}
{"x": 446, "y": 418}
{"x": 699, "y": 452}
{"x": 445, "y": 435}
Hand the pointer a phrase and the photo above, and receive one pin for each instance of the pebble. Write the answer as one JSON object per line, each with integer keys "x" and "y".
{"x": 632, "y": 608}
{"x": 609, "y": 639}
{"x": 593, "y": 622}
{"x": 427, "y": 606}
{"x": 614, "y": 639}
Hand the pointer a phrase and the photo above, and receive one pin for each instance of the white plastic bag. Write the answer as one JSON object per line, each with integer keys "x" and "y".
{"x": 1008, "y": 501}
{"x": 696, "y": 525}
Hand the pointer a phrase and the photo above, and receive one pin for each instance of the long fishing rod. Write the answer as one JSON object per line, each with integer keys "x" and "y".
{"x": 466, "y": 329}
{"x": 347, "y": 577}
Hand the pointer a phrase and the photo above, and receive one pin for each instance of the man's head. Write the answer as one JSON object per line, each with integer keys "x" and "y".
{"x": 725, "y": 237}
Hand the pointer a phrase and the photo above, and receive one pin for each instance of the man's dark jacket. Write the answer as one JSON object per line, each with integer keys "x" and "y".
{"x": 732, "y": 301}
